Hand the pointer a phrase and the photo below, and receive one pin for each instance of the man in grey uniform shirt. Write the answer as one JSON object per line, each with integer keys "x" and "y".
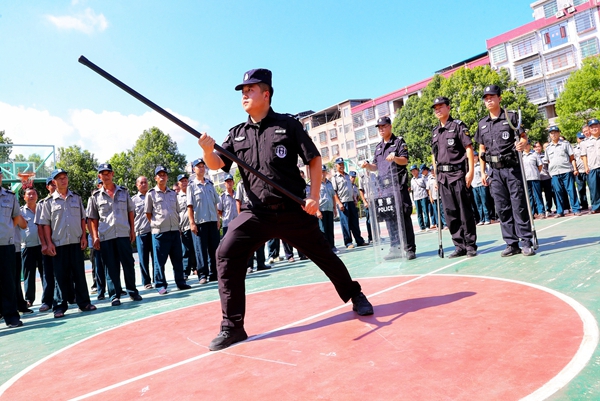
{"x": 8, "y": 306}
{"x": 63, "y": 222}
{"x": 111, "y": 218}
{"x": 162, "y": 209}
{"x": 344, "y": 198}
{"x": 326, "y": 205}
{"x": 143, "y": 236}
{"x": 32, "y": 247}
{"x": 202, "y": 200}
{"x": 187, "y": 237}
{"x": 227, "y": 208}
{"x": 590, "y": 154}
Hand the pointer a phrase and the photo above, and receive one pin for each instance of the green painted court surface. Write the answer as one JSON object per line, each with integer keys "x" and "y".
{"x": 567, "y": 262}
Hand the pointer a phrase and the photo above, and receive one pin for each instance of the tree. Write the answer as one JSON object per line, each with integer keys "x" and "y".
{"x": 122, "y": 164}
{"x": 464, "y": 88}
{"x": 81, "y": 166}
{"x": 5, "y": 151}
{"x": 580, "y": 101}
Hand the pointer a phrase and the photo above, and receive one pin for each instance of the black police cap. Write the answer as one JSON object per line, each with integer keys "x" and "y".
{"x": 383, "y": 121}
{"x": 440, "y": 100}
{"x": 258, "y": 75}
{"x": 492, "y": 90}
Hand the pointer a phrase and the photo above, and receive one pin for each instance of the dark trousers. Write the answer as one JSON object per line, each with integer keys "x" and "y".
{"x": 167, "y": 245}
{"x": 100, "y": 273}
{"x": 21, "y": 303}
{"x": 69, "y": 271}
{"x": 273, "y": 247}
{"x": 481, "y": 203}
{"x": 288, "y": 250}
{"x": 564, "y": 186}
{"x": 581, "y": 179}
{"x": 534, "y": 188}
{"x": 117, "y": 252}
{"x": 48, "y": 281}
{"x": 209, "y": 241}
{"x": 593, "y": 183}
{"x": 260, "y": 258}
{"x": 509, "y": 196}
{"x": 369, "y": 229}
{"x": 422, "y": 213}
{"x": 32, "y": 262}
{"x": 8, "y": 307}
{"x": 349, "y": 222}
{"x": 548, "y": 193}
{"x": 249, "y": 231}
{"x": 189, "y": 252}
{"x": 143, "y": 243}
{"x": 456, "y": 198}
{"x": 442, "y": 223}
{"x": 326, "y": 226}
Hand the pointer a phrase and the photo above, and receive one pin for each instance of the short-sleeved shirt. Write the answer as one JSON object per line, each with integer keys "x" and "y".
{"x": 544, "y": 174}
{"x": 10, "y": 210}
{"x": 386, "y": 168}
{"x": 496, "y": 134}
{"x": 18, "y": 238}
{"x": 449, "y": 145}
{"x": 184, "y": 219}
{"x": 140, "y": 221}
{"x": 419, "y": 187}
{"x": 477, "y": 181}
{"x": 112, "y": 213}
{"x": 591, "y": 149}
{"x": 326, "y": 193}
{"x": 431, "y": 187}
{"x": 29, "y": 237}
{"x": 64, "y": 216}
{"x": 558, "y": 156}
{"x": 343, "y": 187}
{"x": 272, "y": 147}
{"x": 531, "y": 163}
{"x": 577, "y": 154}
{"x": 203, "y": 198}
{"x": 227, "y": 207}
{"x": 164, "y": 208}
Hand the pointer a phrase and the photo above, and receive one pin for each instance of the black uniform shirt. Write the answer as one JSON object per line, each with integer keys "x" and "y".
{"x": 386, "y": 168}
{"x": 272, "y": 147}
{"x": 449, "y": 145}
{"x": 496, "y": 135}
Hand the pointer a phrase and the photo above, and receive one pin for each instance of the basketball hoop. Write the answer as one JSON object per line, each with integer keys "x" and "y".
{"x": 26, "y": 180}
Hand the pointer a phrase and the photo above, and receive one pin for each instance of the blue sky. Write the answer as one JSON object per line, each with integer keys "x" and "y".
{"x": 187, "y": 56}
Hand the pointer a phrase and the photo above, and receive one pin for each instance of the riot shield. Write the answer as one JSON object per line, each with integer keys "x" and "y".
{"x": 385, "y": 212}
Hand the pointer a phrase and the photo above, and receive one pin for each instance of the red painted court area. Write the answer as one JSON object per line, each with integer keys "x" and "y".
{"x": 433, "y": 338}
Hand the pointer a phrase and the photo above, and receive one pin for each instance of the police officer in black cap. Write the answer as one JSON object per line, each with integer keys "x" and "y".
{"x": 451, "y": 147}
{"x": 496, "y": 139}
{"x": 270, "y": 143}
{"x": 391, "y": 158}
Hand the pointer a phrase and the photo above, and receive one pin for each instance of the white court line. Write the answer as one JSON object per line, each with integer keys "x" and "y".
{"x": 6, "y": 385}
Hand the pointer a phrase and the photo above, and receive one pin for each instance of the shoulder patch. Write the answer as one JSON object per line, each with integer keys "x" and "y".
{"x": 234, "y": 127}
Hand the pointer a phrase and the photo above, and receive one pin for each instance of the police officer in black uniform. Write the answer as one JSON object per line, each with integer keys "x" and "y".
{"x": 270, "y": 143}
{"x": 390, "y": 159}
{"x": 496, "y": 140}
{"x": 451, "y": 147}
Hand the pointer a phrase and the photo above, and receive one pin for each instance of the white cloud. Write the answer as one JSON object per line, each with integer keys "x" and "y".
{"x": 88, "y": 22}
{"x": 103, "y": 134}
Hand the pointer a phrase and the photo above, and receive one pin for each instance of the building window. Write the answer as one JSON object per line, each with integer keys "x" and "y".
{"x": 560, "y": 60}
{"x": 524, "y": 47}
{"x": 347, "y": 128}
{"x": 323, "y": 137}
{"x": 589, "y": 47}
{"x": 363, "y": 153}
{"x": 580, "y": 2}
{"x": 585, "y": 21}
{"x": 383, "y": 110}
{"x": 556, "y": 86}
{"x": 346, "y": 112}
{"x": 335, "y": 150}
{"x": 550, "y": 9}
{"x": 307, "y": 127}
{"x": 357, "y": 120}
{"x": 360, "y": 136}
{"x": 314, "y": 139}
{"x": 536, "y": 92}
{"x": 333, "y": 133}
{"x": 555, "y": 36}
{"x": 372, "y": 131}
{"x": 528, "y": 70}
{"x": 372, "y": 148}
{"x": 325, "y": 152}
{"x": 350, "y": 145}
{"x": 498, "y": 53}
{"x": 369, "y": 114}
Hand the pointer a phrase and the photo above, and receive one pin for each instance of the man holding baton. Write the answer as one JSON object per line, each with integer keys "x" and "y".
{"x": 270, "y": 143}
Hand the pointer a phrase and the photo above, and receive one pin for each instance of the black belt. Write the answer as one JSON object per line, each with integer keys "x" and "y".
{"x": 504, "y": 164}
{"x": 274, "y": 206}
{"x": 449, "y": 167}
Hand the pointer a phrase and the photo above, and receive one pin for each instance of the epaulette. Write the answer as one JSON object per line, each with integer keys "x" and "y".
{"x": 75, "y": 193}
{"x": 124, "y": 187}
{"x": 151, "y": 189}
{"x": 95, "y": 191}
{"x": 209, "y": 181}
{"x": 9, "y": 191}
{"x": 236, "y": 126}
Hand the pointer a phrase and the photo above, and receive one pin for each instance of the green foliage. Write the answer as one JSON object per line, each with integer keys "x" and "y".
{"x": 122, "y": 166}
{"x": 464, "y": 88}
{"x": 81, "y": 166}
{"x": 5, "y": 151}
{"x": 580, "y": 101}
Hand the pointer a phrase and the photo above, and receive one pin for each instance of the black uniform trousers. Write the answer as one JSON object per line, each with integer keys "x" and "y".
{"x": 507, "y": 190}
{"x": 8, "y": 306}
{"x": 456, "y": 198}
{"x": 409, "y": 231}
{"x": 48, "y": 281}
{"x": 249, "y": 231}
{"x": 189, "y": 252}
{"x": 117, "y": 252}
{"x": 21, "y": 303}
{"x": 32, "y": 261}
{"x": 69, "y": 270}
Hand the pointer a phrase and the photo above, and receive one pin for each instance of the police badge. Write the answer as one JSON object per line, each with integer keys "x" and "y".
{"x": 280, "y": 151}
{"x": 450, "y": 141}
{"x": 505, "y": 135}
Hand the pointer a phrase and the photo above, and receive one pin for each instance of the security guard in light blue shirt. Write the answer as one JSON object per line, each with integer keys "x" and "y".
{"x": 143, "y": 234}
{"x": 187, "y": 236}
{"x": 162, "y": 209}
{"x": 111, "y": 214}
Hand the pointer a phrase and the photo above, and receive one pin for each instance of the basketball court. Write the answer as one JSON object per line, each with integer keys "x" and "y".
{"x": 485, "y": 328}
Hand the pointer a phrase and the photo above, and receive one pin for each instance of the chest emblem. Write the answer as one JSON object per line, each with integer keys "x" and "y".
{"x": 280, "y": 151}
{"x": 505, "y": 135}
{"x": 239, "y": 138}
{"x": 450, "y": 141}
